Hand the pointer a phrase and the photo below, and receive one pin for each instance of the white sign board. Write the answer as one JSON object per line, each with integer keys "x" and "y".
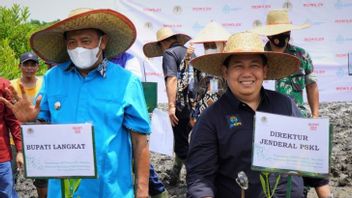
{"x": 59, "y": 150}
{"x": 291, "y": 145}
{"x": 161, "y": 138}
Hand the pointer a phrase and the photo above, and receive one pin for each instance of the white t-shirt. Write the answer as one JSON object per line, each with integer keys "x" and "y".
{"x": 133, "y": 66}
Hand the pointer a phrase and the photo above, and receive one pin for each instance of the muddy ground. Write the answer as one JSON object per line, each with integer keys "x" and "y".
{"x": 340, "y": 115}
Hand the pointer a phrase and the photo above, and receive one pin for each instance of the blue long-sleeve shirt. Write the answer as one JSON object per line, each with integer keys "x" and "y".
{"x": 110, "y": 98}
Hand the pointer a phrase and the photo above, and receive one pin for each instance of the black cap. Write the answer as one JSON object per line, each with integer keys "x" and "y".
{"x": 29, "y": 56}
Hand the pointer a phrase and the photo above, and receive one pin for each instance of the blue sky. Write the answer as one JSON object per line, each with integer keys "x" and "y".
{"x": 49, "y": 10}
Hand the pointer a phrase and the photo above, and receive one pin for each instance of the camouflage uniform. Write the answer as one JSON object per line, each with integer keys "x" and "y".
{"x": 293, "y": 87}
{"x": 294, "y": 84}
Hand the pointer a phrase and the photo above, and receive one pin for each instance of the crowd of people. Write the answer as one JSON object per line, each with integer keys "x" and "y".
{"x": 212, "y": 101}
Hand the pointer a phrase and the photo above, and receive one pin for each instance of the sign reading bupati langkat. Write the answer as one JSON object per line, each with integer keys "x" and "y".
{"x": 291, "y": 144}
{"x": 65, "y": 150}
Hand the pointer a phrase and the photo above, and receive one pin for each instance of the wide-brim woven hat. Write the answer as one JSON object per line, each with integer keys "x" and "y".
{"x": 279, "y": 64}
{"x": 153, "y": 49}
{"x": 277, "y": 22}
{"x": 50, "y": 45}
{"x": 212, "y": 32}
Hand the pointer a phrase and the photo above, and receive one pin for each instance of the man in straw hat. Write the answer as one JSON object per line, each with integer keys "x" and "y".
{"x": 278, "y": 30}
{"x": 209, "y": 88}
{"x": 86, "y": 87}
{"x": 170, "y": 45}
{"x": 221, "y": 142}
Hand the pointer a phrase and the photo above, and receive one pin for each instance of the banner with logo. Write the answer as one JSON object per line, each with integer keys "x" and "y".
{"x": 328, "y": 40}
{"x": 300, "y": 147}
{"x": 350, "y": 63}
{"x": 65, "y": 151}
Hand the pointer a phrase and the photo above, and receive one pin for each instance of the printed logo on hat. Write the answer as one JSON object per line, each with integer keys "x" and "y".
{"x": 28, "y": 56}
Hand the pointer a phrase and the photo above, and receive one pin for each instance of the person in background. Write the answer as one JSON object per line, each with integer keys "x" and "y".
{"x": 29, "y": 65}
{"x": 278, "y": 30}
{"x": 221, "y": 142}
{"x": 79, "y": 90}
{"x": 130, "y": 62}
{"x": 209, "y": 88}
{"x": 9, "y": 126}
{"x": 176, "y": 56}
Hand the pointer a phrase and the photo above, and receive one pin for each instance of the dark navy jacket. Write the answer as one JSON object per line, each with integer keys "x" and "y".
{"x": 221, "y": 146}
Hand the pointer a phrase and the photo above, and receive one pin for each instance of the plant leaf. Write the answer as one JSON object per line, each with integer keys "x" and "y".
{"x": 275, "y": 186}
{"x": 262, "y": 182}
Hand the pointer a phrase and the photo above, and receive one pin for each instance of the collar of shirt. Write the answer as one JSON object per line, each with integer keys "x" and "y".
{"x": 101, "y": 67}
{"x": 264, "y": 99}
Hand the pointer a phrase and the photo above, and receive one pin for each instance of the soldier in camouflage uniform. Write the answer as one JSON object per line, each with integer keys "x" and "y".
{"x": 294, "y": 84}
{"x": 278, "y": 30}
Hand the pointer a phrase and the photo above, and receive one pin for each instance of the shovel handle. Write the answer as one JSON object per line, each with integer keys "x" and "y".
{"x": 242, "y": 193}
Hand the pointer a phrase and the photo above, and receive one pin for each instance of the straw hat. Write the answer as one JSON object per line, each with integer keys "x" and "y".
{"x": 49, "y": 43}
{"x": 212, "y": 32}
{"x": 279, "y": 64}
{"x": 153, "y": 49}
{"x": 277, "y": 22}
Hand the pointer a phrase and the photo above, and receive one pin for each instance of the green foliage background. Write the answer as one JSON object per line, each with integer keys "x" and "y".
{"x": 15, "y": 31}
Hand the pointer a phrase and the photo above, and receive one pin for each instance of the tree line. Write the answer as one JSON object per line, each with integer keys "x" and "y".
{"x": 15, "y": 32}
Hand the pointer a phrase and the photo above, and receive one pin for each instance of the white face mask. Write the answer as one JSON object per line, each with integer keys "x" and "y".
{"x": 219, "y": 48}
{"x": 210, "y": 51}
{"x": 84, "y": 58}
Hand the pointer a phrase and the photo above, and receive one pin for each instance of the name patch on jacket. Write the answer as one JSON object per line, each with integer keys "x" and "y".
{"x": 233, "y": 121}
